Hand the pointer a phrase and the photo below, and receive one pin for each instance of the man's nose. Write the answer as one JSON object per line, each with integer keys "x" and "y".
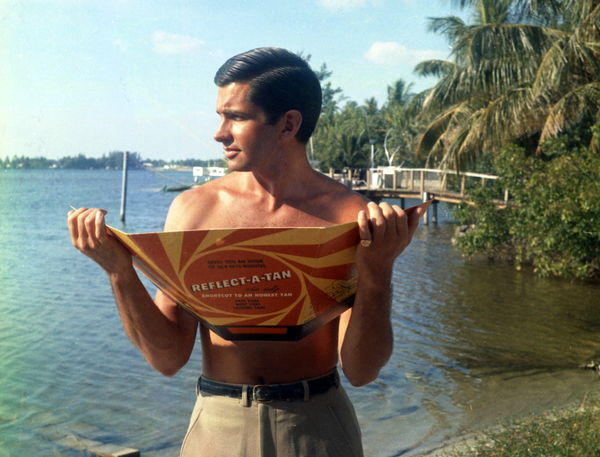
{"x": 222, "y": 134}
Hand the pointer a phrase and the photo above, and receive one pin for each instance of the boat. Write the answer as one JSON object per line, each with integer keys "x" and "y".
{"x": 176, "y": 188}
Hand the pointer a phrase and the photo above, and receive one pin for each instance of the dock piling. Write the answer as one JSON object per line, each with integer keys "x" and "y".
{"x": 124, "y": 188}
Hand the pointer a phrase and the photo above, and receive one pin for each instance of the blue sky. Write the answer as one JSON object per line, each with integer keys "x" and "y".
{"x": 94, "y": 76}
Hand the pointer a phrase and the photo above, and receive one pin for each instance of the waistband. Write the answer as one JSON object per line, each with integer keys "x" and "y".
{"x": 260, "y": 393}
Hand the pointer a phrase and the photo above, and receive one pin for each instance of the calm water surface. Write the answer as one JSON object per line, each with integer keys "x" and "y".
{"x": 475, "y": 342}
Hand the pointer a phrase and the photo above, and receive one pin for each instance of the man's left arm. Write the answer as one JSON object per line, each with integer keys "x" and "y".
{"x": 366, "y": 336}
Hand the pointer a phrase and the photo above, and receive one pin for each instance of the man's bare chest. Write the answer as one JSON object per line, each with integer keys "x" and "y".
{"x": 240, "y": 215}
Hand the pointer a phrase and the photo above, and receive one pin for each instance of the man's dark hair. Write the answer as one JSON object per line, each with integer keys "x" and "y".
{"x": 279, "y": 81}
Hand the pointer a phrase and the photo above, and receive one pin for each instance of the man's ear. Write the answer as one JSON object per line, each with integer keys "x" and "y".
{"x": 291, "y": 122}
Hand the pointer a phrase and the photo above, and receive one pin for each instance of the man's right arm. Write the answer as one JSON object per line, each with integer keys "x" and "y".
{"x": 163, "y": 332}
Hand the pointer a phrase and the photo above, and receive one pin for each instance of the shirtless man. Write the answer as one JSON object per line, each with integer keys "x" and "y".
{"x": 268, "y": 103}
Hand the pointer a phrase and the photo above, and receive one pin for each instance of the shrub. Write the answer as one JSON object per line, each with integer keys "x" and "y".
{"x": 553, "y": 220}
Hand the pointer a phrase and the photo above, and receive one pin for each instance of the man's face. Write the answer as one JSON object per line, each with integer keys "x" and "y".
{"x": 248, "y": 141}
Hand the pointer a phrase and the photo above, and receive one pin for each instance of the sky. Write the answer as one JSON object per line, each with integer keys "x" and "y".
{"x": 95, "y": 76}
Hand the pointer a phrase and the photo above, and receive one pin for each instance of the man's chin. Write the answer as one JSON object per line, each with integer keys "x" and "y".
{"x": 236, "y": 165}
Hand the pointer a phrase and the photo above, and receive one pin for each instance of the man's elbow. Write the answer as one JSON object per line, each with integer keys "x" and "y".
{"x": 167, "y": 371}
{"x": 362, "y": 374}
{"x": 168, "y": 368}
{"x": 361, "y": 381}
{"x": 359, "y": 378}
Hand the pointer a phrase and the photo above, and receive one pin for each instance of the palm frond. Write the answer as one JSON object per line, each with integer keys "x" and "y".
{"x": 442, "y": 132}
{"x": 572, "y": 108}
{"x": 432, "y": 134}
{"x": 437, "y": 68}
{"x": 450, "y": 26}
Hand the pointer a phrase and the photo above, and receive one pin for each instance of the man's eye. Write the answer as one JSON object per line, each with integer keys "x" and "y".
{"x": 234, "y": 117}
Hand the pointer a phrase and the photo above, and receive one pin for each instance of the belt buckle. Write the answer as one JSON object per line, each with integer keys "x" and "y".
{"x": 258, "y": 386}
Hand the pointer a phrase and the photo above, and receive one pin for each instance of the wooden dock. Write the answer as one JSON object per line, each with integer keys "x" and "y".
{"x": 416, "y": 183}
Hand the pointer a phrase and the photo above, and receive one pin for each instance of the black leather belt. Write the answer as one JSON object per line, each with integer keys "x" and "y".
{"x": 273, "y": 392}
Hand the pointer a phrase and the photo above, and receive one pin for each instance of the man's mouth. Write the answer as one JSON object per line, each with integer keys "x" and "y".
{"x": 229, "y": 153}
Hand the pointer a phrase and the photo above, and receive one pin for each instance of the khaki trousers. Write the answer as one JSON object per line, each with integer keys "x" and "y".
{"x": 323, "y": 426}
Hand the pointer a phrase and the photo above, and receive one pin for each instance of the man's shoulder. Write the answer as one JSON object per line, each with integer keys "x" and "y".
{"x": 191, "y": 209}
{"x": 208, "y": 190}
{"x": 341, "y": 201}
{"x": 350, "y": 203}
{"x": 194, "y": 196}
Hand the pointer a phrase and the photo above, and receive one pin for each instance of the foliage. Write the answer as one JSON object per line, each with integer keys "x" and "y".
{"x": 349, "y": 135}
{"x": 522, "y": 71}
{"x": 362, "y": 136}
{"x": 112, "y": 161}
{"x": 554, "y": 215}
{"x": 27, "y": 162}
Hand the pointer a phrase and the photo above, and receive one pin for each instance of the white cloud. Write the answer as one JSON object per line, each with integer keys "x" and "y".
{"x": 170, "y": 43}
{"x": 392, "y": 54}
{"x": 345, "y": 5}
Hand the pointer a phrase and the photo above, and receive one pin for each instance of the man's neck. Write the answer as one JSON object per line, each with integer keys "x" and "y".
{"x": 285, "y": 180}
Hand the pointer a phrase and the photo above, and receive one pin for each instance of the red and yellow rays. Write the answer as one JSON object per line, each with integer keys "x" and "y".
{"x": 273, "y": 283}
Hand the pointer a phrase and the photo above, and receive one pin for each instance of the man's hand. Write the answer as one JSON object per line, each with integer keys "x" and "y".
{"x": 366, "y": 336}
{"x": 88, "y": 234}
{"x": 385, "y": 232}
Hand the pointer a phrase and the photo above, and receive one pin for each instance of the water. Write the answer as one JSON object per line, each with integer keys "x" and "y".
{"x": 475, "y": 343}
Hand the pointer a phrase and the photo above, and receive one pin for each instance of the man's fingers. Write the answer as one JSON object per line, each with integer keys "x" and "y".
{"x": 364, "y": 229}
{"x": 86, "y": 227}
{"x": 376, "y": 217}
{"x": 75, "y": 224}
{"x": 381, "y": 221}
{"x": 400, "y": 219}
{"x": 72, "y": 221}
{"x": 100, "y": 225}
{"x": 391, "y": 219}
{"x": 89, "y": 224}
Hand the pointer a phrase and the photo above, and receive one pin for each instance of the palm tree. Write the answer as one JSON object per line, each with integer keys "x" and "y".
{"x": 400, "y": 124}
{"x": 507, "y": 81}
{"x": 343, "y": 142}
{"x": 399, "y": 94}
{"x": 567, "y": 86}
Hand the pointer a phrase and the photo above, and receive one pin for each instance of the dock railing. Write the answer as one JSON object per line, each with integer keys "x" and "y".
{"x": 420, "y": 183}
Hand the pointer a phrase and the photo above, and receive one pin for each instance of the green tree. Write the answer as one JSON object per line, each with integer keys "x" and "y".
{"x": 399, "y": 93}
{"x": 341, "y": 141}
{"x": 509, "y": 81}
{"x": 401, "y": 126}
{"x": 552, "y": 222}
{"x": 348, "y": 135}
{"x": 331, "y": 97}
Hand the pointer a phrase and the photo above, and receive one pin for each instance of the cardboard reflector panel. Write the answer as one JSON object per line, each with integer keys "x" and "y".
{"x": 253, "y": 283}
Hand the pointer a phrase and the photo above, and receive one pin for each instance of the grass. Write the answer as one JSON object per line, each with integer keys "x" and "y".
{"x": 572, "y": 433}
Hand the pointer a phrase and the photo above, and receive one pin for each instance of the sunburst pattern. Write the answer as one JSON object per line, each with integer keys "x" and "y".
{"x": 247, "y": 283}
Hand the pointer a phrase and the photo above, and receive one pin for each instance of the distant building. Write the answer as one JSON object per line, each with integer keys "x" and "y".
{"x": 208, "y": 173}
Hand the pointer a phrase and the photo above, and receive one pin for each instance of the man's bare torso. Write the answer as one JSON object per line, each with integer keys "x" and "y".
{"x": 229, "y": 202}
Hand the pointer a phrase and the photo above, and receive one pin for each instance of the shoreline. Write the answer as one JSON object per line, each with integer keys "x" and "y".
{"x": 468, "y": 444}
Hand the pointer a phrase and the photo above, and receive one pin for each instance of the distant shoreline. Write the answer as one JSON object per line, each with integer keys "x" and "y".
{"x": 112, "y": 161}
{"x": 162, "y": 169}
